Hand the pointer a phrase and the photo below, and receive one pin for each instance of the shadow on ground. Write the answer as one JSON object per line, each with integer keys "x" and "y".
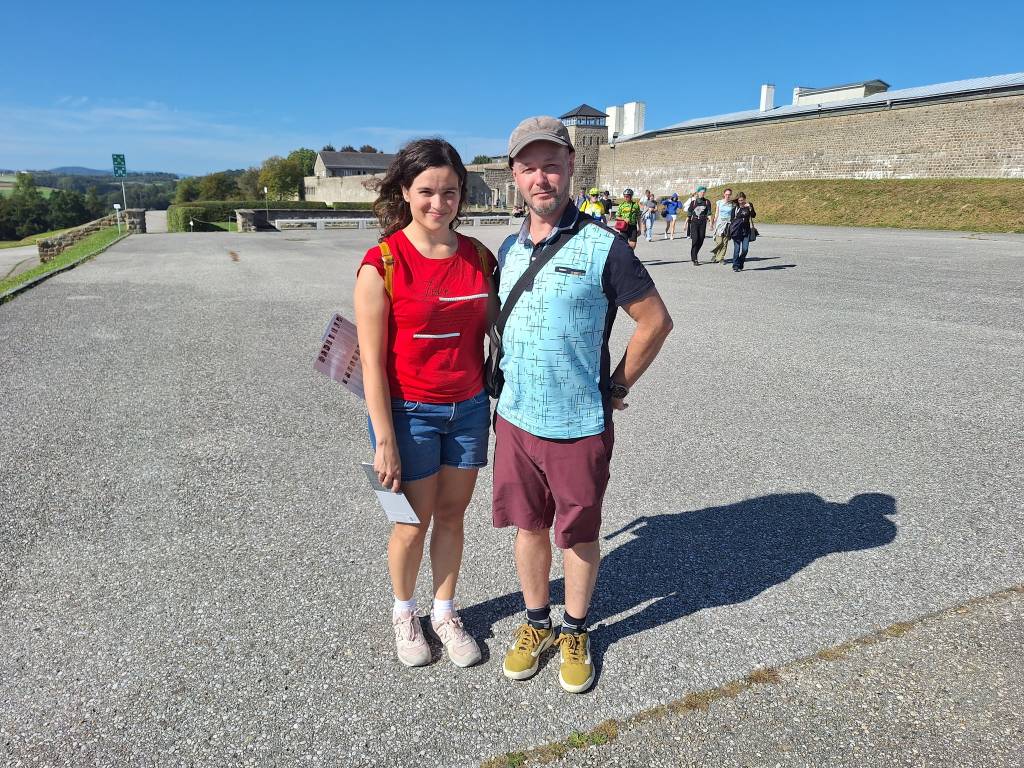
{"x": 674, "y": 565}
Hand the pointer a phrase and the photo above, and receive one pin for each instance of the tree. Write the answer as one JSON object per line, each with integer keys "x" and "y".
{"x": 67, "y": 209}
{"x": 481, "y": 159}
{"x": 328, "y": 148}
{"x": 31, "y": 213}
{"x": 249, "y": 186}
{"x": 217, "y": 186}
{"x": 306, "y": 158}
{"x": 369, "y": 149}
{"x": 93, "y": 204}
{"x": 282, "y": 177}
{"x": 347, "y": 148}
{"x": 187, "y": 191}
{"x": 8, "y": 225}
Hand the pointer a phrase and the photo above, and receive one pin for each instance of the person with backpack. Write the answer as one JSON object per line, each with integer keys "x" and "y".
{"x": 423, "y": 302}
{"x": 697, "y": 212}
{"x": 742, "y": 231}
{"x": 627, "y": 217}
{"x": 672, "y": 208}
{"x": 720, "y": 226}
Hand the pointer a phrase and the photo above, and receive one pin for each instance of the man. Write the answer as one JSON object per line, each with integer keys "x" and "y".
{"x": 629, "y": 212}
{"x": 581, "y": 198}
{"x": 553, "y": 425}
{"x": 720, "y": 226}
{"x": 697, "y": 212}
{"x": 593, "y": 207}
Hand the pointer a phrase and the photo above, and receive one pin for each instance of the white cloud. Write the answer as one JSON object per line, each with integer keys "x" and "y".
{"x": 155, "y": 136}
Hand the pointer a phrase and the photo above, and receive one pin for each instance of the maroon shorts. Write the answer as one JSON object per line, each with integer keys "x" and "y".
{"x": 538, "y": 482}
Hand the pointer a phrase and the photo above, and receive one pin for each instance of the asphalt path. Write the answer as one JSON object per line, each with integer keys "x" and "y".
{"x": 13, "y": 261}
{"x": 192, "y": 569}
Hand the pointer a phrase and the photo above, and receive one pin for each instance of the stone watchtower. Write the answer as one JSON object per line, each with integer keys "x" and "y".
{"x": 588, "y": 130}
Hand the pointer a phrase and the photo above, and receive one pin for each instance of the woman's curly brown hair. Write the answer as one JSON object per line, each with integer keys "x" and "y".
{"x": 413, "y": 159}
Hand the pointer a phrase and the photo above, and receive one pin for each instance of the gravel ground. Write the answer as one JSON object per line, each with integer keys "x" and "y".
{"x": 192, "y": 569}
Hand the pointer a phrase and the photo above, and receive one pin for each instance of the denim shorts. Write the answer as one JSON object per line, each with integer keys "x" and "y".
{"x": 430, "y": 435}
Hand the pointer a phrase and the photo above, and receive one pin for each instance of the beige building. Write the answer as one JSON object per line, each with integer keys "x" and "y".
{"x": 963, "y": 129}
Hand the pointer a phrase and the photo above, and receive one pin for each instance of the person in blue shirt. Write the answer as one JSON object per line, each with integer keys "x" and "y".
{"x": 672, "y": 208}
{"x": 553, "y": 423}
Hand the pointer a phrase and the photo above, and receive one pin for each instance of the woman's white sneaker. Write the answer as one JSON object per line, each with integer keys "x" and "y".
{"x": 461, "y": 648}
{"x": 410, "y": 643}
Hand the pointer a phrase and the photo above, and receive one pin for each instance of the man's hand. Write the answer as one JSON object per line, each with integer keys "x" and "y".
{"x": 619, "y": 404}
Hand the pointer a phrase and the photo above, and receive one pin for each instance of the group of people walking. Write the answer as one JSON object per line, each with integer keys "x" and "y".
{"x": 425, "y": 299}
{"x": 731, "y": 220}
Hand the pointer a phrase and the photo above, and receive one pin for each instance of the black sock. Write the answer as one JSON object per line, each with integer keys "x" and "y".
{"x": 539, "y": 618}
{"x": 572, "y": 624}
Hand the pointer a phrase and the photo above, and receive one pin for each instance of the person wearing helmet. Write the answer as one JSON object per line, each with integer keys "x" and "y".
{"x": 672, "y": 207}
{"x": 593, "y": 206}
{"x": 627, "y": 217}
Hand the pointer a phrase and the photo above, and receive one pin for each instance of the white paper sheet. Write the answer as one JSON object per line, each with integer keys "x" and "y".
{"x": 396, "y": 505}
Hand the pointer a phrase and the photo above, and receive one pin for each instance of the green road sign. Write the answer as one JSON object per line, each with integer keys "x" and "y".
{"x": 120, "y": 169}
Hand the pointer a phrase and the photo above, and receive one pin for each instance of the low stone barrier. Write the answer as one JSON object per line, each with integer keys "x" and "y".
{"x": 251, "y": 220}
{"x": 134, "y": 219}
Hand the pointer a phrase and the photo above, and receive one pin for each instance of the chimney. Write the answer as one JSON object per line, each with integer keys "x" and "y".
{"x": 767, "y": 97}
{"x": 796, "y": 95}
{"x": 633, "y": 116}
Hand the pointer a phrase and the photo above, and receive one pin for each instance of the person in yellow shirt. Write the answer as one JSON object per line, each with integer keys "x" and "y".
{"x": 593, "y": 206}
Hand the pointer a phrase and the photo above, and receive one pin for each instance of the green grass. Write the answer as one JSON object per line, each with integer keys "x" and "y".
{"x": 227, "y": 226}
{"x": 88, "y": 247}
{"x": 967, "y": 205}
{"x": 31, "y": 239}
{"x": 7, "y": 190}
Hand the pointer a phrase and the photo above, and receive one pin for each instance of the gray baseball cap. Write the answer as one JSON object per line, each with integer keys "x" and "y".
{"x": 541, "y": 128}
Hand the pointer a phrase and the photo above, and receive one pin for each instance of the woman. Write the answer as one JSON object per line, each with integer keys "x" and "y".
{"x": 650, "y": 214}
{"x": 697, "y": 212}
{"x": 739, "y": 231}
{"x": 421, "y": 344}
{"x": 672, "y": 207}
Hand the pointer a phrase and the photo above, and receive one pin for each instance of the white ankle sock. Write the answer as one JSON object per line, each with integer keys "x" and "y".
{"x": 404, "y": 605}
{"x": 442, "y": 608}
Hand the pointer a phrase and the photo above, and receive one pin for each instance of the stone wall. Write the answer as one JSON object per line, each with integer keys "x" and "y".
{"x": 342, "y": 189}
{"x": 977, "y": 138}
{"x": 134, "y": 219}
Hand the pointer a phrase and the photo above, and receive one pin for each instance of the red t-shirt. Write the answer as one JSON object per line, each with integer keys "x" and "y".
{"x": 437, "y": 323}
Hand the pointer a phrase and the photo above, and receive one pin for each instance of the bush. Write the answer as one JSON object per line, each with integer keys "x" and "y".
{"x": 352, "y": 206}
{"x": 202, "y": 212}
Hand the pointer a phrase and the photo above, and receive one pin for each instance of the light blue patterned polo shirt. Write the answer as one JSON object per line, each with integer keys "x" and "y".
{"x": 555, "y": 346}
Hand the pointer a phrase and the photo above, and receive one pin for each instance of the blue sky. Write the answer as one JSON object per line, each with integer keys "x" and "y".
{"x": 195, "y": 87}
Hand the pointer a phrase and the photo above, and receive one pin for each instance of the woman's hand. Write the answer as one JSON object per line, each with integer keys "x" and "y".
{"x": 388, "y": 466}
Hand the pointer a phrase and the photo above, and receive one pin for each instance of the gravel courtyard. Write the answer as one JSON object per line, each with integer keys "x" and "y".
{"x": 192, "y": 567}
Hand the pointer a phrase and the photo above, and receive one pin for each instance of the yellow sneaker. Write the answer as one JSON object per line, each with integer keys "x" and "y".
{"x": 523, "y": 657}
{"x": 577, "y": 671}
